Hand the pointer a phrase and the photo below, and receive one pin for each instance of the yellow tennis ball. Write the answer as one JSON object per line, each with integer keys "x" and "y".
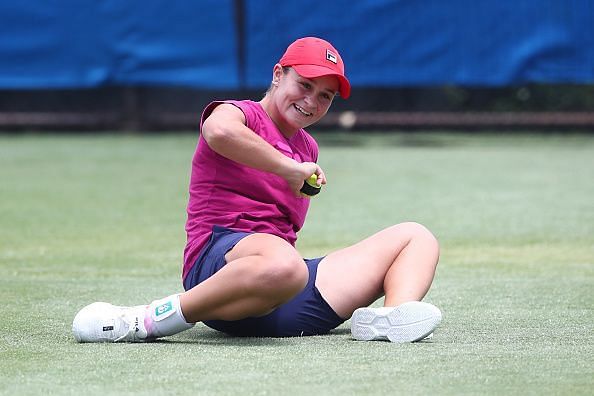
{"x": 312, "y": 180}
{"x": 310, "y": 186}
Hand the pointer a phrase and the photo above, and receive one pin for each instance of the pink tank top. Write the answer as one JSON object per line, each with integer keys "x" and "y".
{"x": 226, "y": 193}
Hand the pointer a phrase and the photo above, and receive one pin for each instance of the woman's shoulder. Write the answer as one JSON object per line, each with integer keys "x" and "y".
{"x": 247, "y": 107}
{"x": 244, "y": 105}
{"x": 253, "y": 110}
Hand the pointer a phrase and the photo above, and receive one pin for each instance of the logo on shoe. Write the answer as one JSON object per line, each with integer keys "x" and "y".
{"x": 163, "y": 309}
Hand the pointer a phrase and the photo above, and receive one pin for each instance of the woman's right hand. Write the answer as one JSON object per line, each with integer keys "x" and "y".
{"x": 299, "y": 172}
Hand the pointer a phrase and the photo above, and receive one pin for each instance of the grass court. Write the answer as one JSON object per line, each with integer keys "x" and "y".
{"x": 87, "y": 218}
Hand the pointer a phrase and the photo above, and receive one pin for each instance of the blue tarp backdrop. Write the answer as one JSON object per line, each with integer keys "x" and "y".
{"x": 226, "y": 44}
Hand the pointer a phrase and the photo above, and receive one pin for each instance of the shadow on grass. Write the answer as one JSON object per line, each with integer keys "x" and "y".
{"x": 207, "y": 336}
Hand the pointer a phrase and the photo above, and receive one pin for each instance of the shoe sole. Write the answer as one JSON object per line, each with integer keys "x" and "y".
{"x": 409, "y": 322}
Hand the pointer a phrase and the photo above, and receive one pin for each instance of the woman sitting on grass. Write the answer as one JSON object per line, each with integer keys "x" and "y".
{"x": 242, "y": 273}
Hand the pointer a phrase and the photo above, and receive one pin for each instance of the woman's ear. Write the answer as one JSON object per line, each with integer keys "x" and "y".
{"x": 277, "y": 72}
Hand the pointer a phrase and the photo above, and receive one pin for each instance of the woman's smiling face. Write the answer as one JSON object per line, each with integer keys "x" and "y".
{"x": 298, "y": 101}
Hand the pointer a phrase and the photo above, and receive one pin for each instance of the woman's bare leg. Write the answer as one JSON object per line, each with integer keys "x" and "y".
{"x": 398, "y": 262}
{"x": 262, "y": 272}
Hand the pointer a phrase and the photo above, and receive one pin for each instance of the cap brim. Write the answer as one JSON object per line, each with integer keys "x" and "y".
{"x": 313, "y": 71}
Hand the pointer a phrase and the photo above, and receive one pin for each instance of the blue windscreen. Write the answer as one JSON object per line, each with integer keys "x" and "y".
{"x": 81, "y": 44}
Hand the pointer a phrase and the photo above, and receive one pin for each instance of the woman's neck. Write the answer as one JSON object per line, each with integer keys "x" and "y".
{"x": 273, "y": 113}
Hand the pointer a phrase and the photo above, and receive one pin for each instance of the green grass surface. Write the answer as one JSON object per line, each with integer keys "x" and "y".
{"x": 100, "y": 218}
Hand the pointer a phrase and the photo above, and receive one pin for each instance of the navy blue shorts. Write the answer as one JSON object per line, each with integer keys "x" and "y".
{"x": 306, "y": 314}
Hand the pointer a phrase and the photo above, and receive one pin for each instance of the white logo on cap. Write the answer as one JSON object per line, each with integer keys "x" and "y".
{"x": 331, "y": 56}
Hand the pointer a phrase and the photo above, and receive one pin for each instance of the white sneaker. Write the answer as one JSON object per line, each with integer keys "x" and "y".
{"x": 103, "y": 322}
{"x": 408, "y": 322}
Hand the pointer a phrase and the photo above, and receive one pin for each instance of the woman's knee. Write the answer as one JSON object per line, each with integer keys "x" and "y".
{"x": 276, "y": 266}
{"x": 283, "y": 273}
{"x": 417, "y": 232}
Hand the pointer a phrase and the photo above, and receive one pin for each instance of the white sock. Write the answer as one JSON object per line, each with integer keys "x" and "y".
{"x": 165, "y": 318}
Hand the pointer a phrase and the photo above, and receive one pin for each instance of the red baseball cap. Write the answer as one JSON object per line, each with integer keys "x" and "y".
{"x": 313, "y": 57}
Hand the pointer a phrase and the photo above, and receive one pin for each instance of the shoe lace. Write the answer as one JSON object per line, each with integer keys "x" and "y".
{"x": 132, "y": 320}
